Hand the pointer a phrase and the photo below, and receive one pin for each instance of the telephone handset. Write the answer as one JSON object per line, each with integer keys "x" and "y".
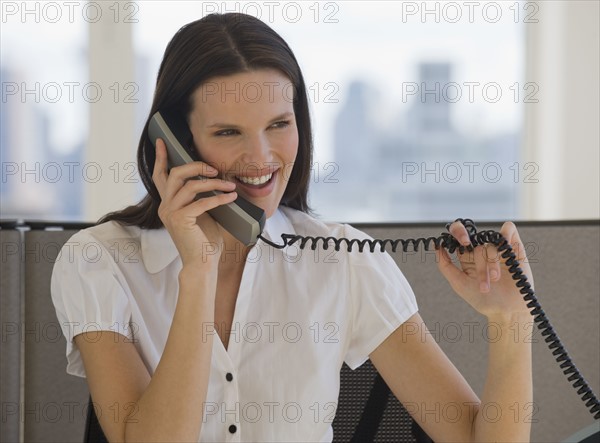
{"x": 240, "y": 218}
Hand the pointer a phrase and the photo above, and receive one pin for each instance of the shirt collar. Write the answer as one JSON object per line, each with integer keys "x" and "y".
{"x": 276, "y": 225}
{"x": 158, "y": 249}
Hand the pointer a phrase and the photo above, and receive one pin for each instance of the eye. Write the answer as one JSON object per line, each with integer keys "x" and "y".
{"x": 281, "y": 124}
{"x": 225, "y": 132}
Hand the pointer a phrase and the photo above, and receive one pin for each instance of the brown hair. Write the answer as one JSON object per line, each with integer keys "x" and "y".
{"x": 219, "y": 45}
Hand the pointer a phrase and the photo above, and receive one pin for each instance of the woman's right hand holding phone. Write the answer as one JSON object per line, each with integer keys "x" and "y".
{"x": 196, "y": 235}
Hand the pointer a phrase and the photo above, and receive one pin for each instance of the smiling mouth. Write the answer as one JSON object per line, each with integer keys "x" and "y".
{"x": 256, "y": 182}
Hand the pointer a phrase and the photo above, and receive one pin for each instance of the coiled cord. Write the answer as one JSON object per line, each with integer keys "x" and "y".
{"x": 445, "y": 240}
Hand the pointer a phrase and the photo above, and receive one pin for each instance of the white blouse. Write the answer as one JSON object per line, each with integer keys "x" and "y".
{"x": 298, "y": 316}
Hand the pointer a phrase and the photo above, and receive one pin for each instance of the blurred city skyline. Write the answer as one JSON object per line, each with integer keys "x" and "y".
{"x": 358, "y": 57}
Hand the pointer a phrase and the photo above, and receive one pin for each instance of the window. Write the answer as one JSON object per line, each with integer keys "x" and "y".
{"x": 421, "y": 110}
{"x": 45, "y": 92}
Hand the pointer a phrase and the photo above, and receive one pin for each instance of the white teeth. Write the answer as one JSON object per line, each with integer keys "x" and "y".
{"x": 255, "y": 180}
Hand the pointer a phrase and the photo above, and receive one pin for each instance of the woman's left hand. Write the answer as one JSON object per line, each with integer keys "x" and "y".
{"x": 484, "y": 281}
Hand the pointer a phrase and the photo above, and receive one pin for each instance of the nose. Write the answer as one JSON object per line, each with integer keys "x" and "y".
{"x": 257, "y": 151}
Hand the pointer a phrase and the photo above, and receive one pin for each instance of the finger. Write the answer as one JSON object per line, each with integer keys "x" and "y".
{"x": 192, "y": 170}
{"x": 459, "y": 232}
{"x": 188, "y": 192}
{"x": 204, "y": 205}
{"x": 178, "y": 176}
{"x": 510, "y": 233}
{"x": 492, "y": 258}
{"x": 481, "y": 268}
{"x": 454, "y": 276}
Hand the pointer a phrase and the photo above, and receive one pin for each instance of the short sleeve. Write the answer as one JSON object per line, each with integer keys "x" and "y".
{"x": 381, "y": 298}
{"x": 89, "y": 294}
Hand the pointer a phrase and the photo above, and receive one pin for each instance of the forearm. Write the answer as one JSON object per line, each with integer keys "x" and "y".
{"x": 507, "y": 401}
{"x": 171, "y": 408}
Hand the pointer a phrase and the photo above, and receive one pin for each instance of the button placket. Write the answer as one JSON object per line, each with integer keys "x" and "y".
{"x": 231, "y": 403}
{"x": 235, "y": 351}
{"x": 228, "y": 405}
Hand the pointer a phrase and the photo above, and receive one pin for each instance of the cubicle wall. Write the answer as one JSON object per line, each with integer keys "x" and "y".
{"x": 40, "y": 402}
{"x": 10, "y": 345}
{"x": 55, "y": 403}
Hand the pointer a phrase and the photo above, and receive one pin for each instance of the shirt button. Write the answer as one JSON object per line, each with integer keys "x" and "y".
{"x": 232, "y": 429}
{"x": 229, "y": 377}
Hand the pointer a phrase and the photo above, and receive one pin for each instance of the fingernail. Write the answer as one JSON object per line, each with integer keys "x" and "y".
{"x": 493, "y": 274}
{"x": 483, "y": 287}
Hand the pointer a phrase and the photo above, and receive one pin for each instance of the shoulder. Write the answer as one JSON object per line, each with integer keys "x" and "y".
{"x": 109, "y": 232}
{"x": 99, "y": 242}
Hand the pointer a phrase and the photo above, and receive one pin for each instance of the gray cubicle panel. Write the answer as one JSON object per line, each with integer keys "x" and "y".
{"x": 10, "y": 345}
{"x": 565, "y": 259}
{"x": 55, "y": 402}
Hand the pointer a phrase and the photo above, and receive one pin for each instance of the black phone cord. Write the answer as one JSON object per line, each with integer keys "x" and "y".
{"x": 445, "y": 240}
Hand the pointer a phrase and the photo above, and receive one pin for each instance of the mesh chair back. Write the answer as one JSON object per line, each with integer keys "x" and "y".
{"x": 368, "y": 411}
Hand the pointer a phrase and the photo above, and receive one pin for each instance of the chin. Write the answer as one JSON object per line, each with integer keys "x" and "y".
{"x": 268, "y": 205}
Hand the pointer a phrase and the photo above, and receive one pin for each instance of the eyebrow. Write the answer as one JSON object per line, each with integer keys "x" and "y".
{"x": 228, "y": 125}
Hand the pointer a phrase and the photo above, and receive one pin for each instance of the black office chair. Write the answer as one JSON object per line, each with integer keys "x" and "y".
{"x": 367, "y": 412}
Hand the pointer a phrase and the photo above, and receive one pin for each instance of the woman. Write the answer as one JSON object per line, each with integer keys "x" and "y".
{"x": 196, "y": 336}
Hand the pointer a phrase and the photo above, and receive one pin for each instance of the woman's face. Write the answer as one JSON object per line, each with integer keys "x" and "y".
{"x": 244, "y": 125}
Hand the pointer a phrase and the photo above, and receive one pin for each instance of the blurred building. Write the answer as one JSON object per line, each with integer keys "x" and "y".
{"x": 426, "y": 172}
